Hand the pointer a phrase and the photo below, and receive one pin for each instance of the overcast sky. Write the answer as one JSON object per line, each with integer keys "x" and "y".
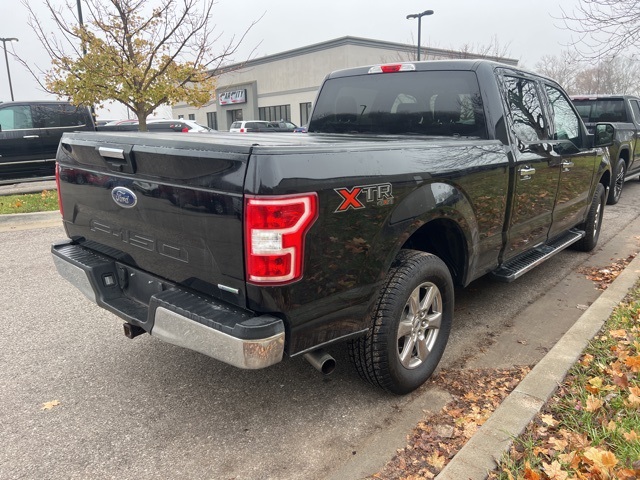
{"x": 528, "y": 29}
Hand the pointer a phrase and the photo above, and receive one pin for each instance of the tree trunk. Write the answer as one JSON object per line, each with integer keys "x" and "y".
{"x": 142, "y": 120}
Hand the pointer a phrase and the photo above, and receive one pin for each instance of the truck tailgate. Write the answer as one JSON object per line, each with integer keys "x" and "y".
{"x": 170, "y": 204}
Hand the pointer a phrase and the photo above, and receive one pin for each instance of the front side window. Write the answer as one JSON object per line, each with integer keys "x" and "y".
{"x": 526, "y": 109}
{"x": 16, "y": 117}
{"x": 635, "y": 106}
{"x": 566, "y": 122}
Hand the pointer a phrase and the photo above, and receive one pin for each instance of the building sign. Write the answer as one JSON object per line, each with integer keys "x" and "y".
{"x": 236, "y": 96}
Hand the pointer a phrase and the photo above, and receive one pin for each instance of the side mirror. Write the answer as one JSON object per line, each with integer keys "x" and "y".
{"x": 603, "y": 135}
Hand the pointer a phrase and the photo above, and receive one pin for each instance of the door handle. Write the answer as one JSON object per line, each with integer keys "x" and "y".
{"x": 526, "y": 171}
{"x": 31, "y": 136}
{"x": 566, "y": 165}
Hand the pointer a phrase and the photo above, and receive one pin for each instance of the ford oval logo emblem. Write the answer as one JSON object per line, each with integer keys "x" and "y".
{"x": 124, "y": 197}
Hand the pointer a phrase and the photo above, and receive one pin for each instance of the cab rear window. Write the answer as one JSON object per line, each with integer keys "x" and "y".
{"x": 444, "y": 103}
{"x": 601, "y": 110}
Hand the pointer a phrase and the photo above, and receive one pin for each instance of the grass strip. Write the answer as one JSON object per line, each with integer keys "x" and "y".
{"x": 45, "y": 201}
{"x": 590, "y": 429}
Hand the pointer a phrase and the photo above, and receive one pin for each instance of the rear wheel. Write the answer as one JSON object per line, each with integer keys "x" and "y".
{"x": 411, "y": 324}
{"x": 616, "y": 189}
{"x": 593, "y": 224}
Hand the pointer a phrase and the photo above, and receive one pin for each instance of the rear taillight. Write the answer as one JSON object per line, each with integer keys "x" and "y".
{"x": 275, "y": 229}
{"x": 58, "y": 187}
{"x": 242, "y": 130}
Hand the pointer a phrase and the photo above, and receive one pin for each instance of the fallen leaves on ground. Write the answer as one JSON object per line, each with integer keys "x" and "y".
{"x": 435, "y": 440}
{"x": 50, "y": 405}
{"x": 589, "y": 428}
{"x": 603, "y": 276}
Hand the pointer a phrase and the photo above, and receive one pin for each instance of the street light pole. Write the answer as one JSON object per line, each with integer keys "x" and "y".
{"x": 6, "y": 59}
{"x": 419, "y": 17}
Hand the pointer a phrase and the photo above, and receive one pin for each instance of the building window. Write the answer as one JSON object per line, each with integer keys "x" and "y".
{"x": 180, "y": 116}
{"x": 275, "y": 114}
{"x": 305, "y": 113}
{"x": 192, "y": 116}
{"x": 236, "y": 115}
{"x": 212, "y": 120}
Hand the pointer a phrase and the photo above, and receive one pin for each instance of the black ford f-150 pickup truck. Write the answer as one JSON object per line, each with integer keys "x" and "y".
{"x": 623, "y": 111}
{"x": 414, "y": 177}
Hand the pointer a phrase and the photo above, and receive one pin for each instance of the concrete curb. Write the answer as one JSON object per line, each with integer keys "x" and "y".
{"x": 15, "y": 219}
{"x": 27, "y": 187}
{"x": 481, "y": 453}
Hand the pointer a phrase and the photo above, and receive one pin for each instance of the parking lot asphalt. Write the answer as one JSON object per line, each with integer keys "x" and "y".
{"x": 510, "y": 419}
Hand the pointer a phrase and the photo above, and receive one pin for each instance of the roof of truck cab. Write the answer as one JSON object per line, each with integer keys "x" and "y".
{"x": 601, "y": 96}
{"x": 435, "y": 65}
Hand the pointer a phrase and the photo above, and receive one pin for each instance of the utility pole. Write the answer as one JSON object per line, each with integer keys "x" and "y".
{"x": 6, "y": 59}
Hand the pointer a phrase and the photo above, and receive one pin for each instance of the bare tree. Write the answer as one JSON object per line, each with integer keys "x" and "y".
{"x": 613, "y": 75}
{"x": 604, "y": 27}
{"x": 140, "y": 53}
{"x": 493, "y": 50}
{"x": 563, "y": 68}
{"x": 610, "y": 75}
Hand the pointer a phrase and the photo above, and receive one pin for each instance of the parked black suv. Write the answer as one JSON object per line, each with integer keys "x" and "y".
{"x": 624, "y": 112}
{"x": 30, "y": 133}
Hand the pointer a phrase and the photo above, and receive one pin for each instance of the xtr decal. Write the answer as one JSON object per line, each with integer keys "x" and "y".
{"x": 357, "y": 197}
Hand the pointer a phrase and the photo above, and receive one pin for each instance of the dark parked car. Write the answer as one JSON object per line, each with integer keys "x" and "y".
{"x": 624, "y": 112}
{"x": 30, "y": 133}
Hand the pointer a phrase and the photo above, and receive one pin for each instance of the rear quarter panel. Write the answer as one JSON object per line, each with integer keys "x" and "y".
{"x": 402, "y": 186}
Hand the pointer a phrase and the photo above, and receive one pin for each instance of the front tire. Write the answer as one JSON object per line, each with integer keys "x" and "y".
{"x": 411, "y": 324}
{"x": 618, "y": 182}
{"x": 593, "y": 224}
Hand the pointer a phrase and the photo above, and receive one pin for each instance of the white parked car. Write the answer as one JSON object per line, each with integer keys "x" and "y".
{"x": 159, "y": 125}
{"x": 250, "y": 126}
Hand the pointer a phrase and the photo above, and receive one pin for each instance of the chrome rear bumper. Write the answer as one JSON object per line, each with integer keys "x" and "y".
{"x": 173, "y": 314}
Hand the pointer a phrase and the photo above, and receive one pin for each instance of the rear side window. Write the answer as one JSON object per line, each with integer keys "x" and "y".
{"x": 446, "y": 103}
{"x": 16, "y": 117}
{"x": 58, "y": 115}
{"x": 526, "y": 109}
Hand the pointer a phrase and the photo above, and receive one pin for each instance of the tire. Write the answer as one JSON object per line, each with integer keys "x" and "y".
{"x": 593, "y": 224}
{"x": 618, "y": 182}
{"x": 411, "y": 324}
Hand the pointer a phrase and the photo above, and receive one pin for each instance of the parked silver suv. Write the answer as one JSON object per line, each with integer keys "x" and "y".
{"x": 250, "y": 126}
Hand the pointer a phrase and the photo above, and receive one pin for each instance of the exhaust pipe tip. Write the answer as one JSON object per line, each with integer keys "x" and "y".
{"x": 321, "y": 361}
{"x": 132, "y": 331}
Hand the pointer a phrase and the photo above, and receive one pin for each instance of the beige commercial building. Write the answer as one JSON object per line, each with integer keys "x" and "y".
{"x": 284, "y": 86}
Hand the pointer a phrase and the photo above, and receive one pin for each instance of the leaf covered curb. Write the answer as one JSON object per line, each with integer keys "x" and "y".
{"x": 435, "y": 440}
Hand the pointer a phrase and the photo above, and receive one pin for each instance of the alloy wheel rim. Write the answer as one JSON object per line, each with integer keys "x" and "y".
{"x": 619, "y": 181}
{"x": 419, "y": 325}
{"x": 596, "y": 223}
